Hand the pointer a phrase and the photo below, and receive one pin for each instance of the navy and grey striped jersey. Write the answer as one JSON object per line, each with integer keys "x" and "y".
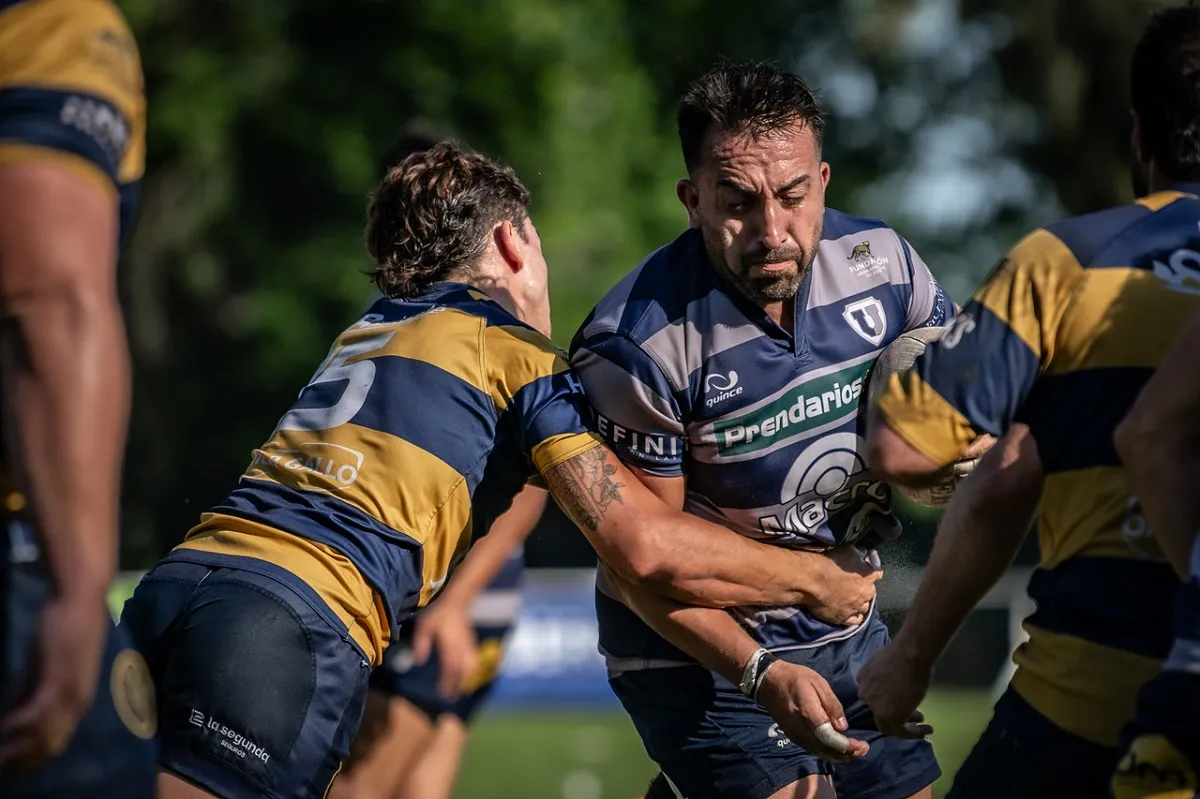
{"x": 690, "y": 378}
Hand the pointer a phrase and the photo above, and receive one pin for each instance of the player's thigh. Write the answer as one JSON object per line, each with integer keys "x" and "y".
{"x": 393, "y": 737}
{"x": 434, "y": 774}
{"x": 894, "y": 768}
{"x": 1023, "y": 754}
{"x": 711, "y": 741}
{"x": 260, "y": 693}
{"x": 111, "y": 754}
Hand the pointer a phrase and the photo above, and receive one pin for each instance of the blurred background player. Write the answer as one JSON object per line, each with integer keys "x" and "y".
{"x": 425, "y": 420}
{"x": 727, "y": 370}
{"x": 1159, "y": 443}
{"x": 440, "y": 671}
{"x": 76, "y": 706}
{"x": 1051, "y": 353}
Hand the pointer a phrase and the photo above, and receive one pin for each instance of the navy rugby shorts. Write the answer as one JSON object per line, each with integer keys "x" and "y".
{"x": 260, "y": 686}
{"x": 111, "y": 754}
{"x": 1023, "y": 754}
{"x": 714, "y": 743}
{"x": 399, "y": 677}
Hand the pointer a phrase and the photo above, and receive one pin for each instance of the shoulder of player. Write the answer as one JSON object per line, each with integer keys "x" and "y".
{"x": 863, "y": 252}
{"x": 653, "y": 295}
{"x": 1084, "y": 239}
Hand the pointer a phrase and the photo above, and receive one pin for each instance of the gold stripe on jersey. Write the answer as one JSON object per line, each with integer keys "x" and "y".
{"x": 1059, "y": 676}
{"x": 516, "y": 356}
{"x": 1160, "y": 200}
{"x": 1031, "y": 291}
{"x": 908, "y": 405}
{"x": 328, "y": 572}
{"x": 558, "y": 449}
{"x": 1108, "y": 324}
{"x": 80, "y": 46}
{"x": 458, "y": 350}
{"x": 408, "y": 498}
{"x": 1086, "y": 512}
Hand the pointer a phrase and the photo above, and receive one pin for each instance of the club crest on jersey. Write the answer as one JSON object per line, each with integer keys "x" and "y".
{"x": 867, "y": 318}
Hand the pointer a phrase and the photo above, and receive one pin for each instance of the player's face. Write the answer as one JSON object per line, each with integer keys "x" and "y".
{"x": 534, "y": 281}
{"x": 759, "y": 203}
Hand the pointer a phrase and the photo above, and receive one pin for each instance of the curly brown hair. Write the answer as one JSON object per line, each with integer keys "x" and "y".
{"x": 430, "y": 217}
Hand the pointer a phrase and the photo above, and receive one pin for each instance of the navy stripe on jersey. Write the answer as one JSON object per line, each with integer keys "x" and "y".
{"x": 75, "y": 122}
{"x": 1116, "y": 602}
{"x": 389, "y": 560}
{"x": 647, "y": 307}
{"x": 455, "y": 428}
{"x": 986, "y": 376}
{"x": 504, "y": 475}
{"x": 1088, "y": 236}
{"x": 1075, "y": 435}
{"x": 542, "y": 419}
{"x": 836, "y": 225}
{"x": 1156, "y": 240}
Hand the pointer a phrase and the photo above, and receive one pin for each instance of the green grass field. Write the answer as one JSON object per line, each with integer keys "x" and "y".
{"x": 547, "y": 755}
{"x": 578, "y": 756}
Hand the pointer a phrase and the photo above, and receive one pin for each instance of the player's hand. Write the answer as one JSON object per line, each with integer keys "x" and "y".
{"x": 801, "y": 701}
{"x": 71, "y": 639}
{"x": 446, "y": 626}
{"x": 848, "y": 588}
{"x": 892, "y": 684}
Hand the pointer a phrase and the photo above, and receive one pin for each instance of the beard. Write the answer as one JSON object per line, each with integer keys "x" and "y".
{"x": 769, "y": 288}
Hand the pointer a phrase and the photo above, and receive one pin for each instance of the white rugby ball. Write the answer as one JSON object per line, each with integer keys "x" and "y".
{"x": 899, "y": 357}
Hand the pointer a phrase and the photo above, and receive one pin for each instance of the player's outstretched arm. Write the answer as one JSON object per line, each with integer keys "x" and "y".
{"x": 977, "y": 539}
{"x": 680, "y": 556}
{"x": 66, "y": 374}
{"x": 1159, "y": 443}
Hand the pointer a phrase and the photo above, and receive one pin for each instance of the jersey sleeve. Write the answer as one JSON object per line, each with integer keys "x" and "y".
{"x": 532, "y": 382}
{"x": 929, "y": 305}
{"x": 636, "y": 410}
{"x": 71, "y": 90}
{"x": 975, "y": 378}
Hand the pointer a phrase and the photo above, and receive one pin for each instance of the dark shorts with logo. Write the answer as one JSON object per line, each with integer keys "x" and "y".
{"x": 261, "y": 687}
{"x": 714, "y": 743}
{"x": 399, "y": 677}
{"x": 111, "y": 755}
{"x": 1161, "y": 746}
{"x": 1023, "y": 754}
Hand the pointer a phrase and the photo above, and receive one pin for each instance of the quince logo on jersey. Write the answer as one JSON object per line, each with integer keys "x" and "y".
{"x": 828, "y": 476}
{"x": 796, "y": 411}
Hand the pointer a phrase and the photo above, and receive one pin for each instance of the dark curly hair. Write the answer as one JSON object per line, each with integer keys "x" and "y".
{"x": 430, "y": 217}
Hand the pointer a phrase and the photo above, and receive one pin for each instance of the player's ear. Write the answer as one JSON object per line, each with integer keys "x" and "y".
{"x": 508, "y": 244}
{"x": 824, "y": 173}
{"x": 1135, "y": 139}
{"x": 685, "y": 190}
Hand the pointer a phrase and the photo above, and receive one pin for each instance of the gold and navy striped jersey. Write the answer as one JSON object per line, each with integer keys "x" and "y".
{"x": 425, "y": 420}
{"x": 1062, "y": 337}
{"x": 71, "y": 92}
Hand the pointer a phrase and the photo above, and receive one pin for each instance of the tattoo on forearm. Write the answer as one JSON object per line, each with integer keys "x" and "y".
{"x": 584, "y": 486}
